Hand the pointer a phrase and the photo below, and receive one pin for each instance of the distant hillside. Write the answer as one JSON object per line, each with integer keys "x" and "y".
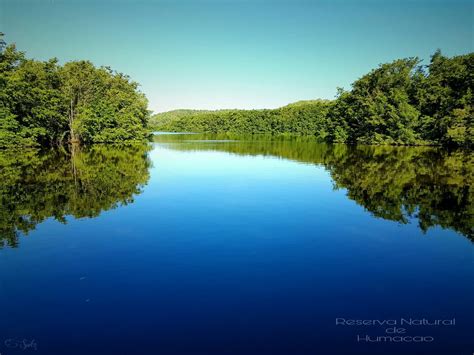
{"x": 302, "y": 103}
{"x": 165, "y": 120}
{"x": 299, "y": 118}
{"x": 166, "y": 117}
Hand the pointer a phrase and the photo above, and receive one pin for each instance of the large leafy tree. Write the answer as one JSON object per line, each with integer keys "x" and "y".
{"x": 30, "y": 104}
{"x": 44, "y": 103}
{"x": 404, "y": 102}
{"x": 104, "y": 106}
{"x": 445, "y": 96}
{"x": 379, "y": 108}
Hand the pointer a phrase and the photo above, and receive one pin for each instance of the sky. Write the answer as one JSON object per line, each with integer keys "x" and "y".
{"x": 214, "y": 54}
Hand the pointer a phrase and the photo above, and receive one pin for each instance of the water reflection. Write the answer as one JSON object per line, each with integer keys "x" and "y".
{"x": 81, "y": 182}
{"x": 428, "y": 184}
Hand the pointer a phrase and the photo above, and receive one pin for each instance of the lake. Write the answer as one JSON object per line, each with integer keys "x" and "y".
{"x": 222, "y": 244}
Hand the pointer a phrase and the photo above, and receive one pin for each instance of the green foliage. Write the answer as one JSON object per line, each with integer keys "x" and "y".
{"x": 378, "y": 109}
{"x": 162, "y": 119}
{"x": 43, "y": 103}
{"x": 445, "y": 98}
{"x": 82, "y": 182}
{"x": 302, "y": 118}
{"x": 405, "y": 103}
{"x": 399, "y": 103}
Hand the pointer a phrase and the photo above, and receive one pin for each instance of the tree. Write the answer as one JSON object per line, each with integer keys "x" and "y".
{"x": 445, "y": 98}
{"x": 43, "y": 103}
{"x": 379, "y": 108}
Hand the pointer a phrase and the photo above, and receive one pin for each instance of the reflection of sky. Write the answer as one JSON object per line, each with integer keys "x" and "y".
{"x": 236, "y": 53}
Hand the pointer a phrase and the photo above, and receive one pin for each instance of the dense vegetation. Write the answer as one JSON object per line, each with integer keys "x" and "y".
{"x": 429, "y": 185}
{"x": 403, "y": 103}
{"x": 44, "y": 103}
{"x": 300, "y": 118}
{"x": 166, "y": 117}
{"x": 80, "y": 182}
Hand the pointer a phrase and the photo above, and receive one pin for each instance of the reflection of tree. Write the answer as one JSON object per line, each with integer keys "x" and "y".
{"x": 37, "y": 185}
{"x": 395, "y": 183}
{"x": 302, "y": 149}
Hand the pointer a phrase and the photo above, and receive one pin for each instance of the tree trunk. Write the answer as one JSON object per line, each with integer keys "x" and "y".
{"x": 73, "y": 137}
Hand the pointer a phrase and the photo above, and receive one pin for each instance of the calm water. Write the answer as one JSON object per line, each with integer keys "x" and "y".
{"x": 234, "y": 245}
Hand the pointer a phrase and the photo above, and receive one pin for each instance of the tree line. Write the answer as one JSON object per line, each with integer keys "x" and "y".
{"x": 300, "y": 118}
{"x": 398, "y": 103}
{"x": 44, "y": 103}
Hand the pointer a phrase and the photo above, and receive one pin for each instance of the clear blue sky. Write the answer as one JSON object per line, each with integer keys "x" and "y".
{"x": 238, "y": 54}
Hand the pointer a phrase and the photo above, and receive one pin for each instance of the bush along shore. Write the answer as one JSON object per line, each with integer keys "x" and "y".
{"x": 399, "y": 103}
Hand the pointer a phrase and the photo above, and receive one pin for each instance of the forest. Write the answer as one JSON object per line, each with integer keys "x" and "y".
{"x": 398, "y": 103}
{"x": 43, "y": 103}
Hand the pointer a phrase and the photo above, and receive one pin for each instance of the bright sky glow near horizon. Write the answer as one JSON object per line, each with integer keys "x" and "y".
{"x": 210, "y": 54}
